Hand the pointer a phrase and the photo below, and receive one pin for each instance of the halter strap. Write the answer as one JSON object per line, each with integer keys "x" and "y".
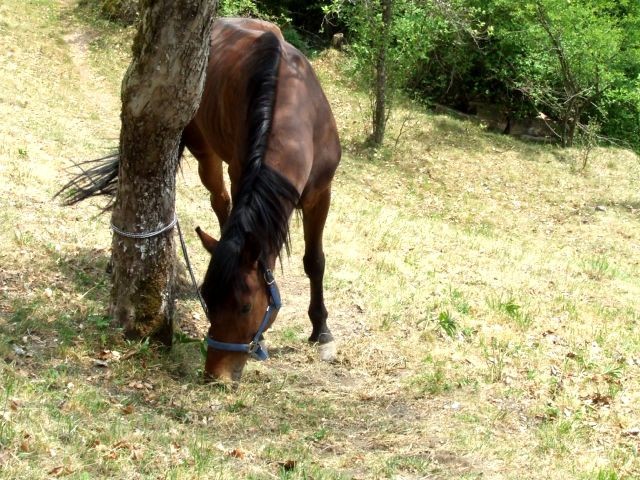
{"x": 254, "y": 348}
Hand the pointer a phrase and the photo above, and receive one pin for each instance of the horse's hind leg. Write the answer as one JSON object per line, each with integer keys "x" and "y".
{"x": 314, "y": 216}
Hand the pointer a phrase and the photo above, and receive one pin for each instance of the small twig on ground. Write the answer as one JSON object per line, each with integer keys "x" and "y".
{"x": 404, "y": 122}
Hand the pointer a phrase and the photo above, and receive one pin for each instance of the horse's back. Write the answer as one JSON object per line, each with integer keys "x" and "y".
{"x": 303, "y": 144}
{"x": 304, "y": 122}
{"x": 219, "y": 123}
{"x": 242, "y": 27}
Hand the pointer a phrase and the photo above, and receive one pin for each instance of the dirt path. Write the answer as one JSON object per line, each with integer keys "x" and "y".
{"x": 95, "y": 88}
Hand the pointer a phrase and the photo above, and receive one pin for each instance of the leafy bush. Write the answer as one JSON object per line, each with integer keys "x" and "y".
{"x": 575, "y": 61}
{"x": 238, "y": 8}
{"x": 620, "y": 112}
{"x": 292, "y": 36}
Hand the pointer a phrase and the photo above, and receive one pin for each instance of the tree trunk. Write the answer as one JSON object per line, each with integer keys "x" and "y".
{"x": 160, "y": 94}
{"x": 380, "y": 108}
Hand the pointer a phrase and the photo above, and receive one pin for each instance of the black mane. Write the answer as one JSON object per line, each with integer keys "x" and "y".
{"x": 265, "y": 198}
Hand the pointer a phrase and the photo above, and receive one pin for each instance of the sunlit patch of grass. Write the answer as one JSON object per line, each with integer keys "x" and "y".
{"x": 484, "y": 229}
{"x": 604, "y": 474}
{"x": 555, "y": 436}
{"x": 459, "y": 301}
{"x": 7, "y": 429}
{"x": 432, "y": 377}
{"x": 495, "y": 354}
{"x": 431, "y": 383}
{"x": 412, "y": 464}
{"x": 509, "y": 307}
{"x": 290, "y": 335}
{"x": 599, "y": 268}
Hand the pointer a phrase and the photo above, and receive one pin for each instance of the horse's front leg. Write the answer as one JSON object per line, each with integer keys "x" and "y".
{"x": 314, "y": 215}
{"x": 212, "y": 177}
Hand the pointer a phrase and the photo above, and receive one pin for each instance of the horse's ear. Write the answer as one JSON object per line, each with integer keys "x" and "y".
{"x": 251, "y": 251}
{"x": 207, "y": 240}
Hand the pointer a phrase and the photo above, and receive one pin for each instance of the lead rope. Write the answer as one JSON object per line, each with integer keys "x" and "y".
{"x": 193, "y": 277}
{"x": 185, "y": 254}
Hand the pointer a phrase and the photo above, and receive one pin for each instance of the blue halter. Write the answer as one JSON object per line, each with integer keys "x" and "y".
{"x": 254, "y": 348}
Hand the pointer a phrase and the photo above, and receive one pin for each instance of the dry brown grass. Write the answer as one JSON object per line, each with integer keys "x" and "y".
{"x": 485, "y": 296}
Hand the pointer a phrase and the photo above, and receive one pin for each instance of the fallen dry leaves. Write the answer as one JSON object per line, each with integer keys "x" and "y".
{"x": 136, "y": 451}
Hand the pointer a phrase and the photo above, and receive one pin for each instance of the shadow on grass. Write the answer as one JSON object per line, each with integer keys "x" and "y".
{"x": 88, "y": 270}
{"x": 65, "y": 303}
{"x": 466, "y": 135}
{"x": 85, "y": 271}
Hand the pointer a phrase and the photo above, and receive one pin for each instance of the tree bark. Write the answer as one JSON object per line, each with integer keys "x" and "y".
{"x": 380, "y": 107}
{"x": 160, "y": 94}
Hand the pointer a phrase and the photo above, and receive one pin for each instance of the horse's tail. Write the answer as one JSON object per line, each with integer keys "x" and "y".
{"x": 96, "y": 177}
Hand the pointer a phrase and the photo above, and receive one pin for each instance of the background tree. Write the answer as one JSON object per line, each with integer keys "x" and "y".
{"x": 380, "y": 114}
{"x": 577, "y": 62}
{"x": 160, "y": 93}
{"x": 391, "y": 46}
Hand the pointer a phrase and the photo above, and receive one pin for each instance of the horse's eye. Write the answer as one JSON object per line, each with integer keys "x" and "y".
{"x": 246, "y": 308}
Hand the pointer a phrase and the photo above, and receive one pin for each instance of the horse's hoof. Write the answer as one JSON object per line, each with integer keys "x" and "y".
{"x": 328, "y": 352}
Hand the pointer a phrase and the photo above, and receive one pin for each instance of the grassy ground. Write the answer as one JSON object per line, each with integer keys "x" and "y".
{"x": 484, "y": 292}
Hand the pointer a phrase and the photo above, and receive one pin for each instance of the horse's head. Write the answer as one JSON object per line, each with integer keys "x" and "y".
{"x": 242, "y": 301}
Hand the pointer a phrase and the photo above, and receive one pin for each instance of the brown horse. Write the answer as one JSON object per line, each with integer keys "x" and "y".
{"x": 263, "y": 113}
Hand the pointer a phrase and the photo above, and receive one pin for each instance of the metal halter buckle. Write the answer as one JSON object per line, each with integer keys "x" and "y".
{"x": 268, "y": 277}
{"x": 253, "y": 347}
